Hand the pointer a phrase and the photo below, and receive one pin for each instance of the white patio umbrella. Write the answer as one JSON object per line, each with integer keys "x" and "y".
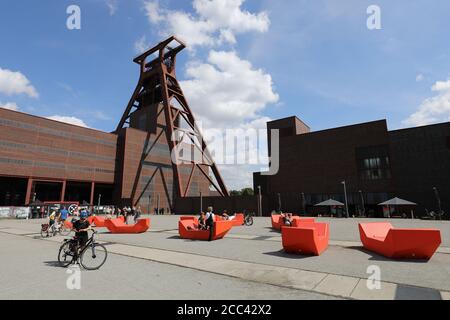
{"x": 329, "y": 203}
{"x": 398, "y": 202}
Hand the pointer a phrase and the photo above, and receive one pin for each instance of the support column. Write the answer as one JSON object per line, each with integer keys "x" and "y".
{"x": 63, "y": 191}
{"x": 28, "y": 194}
{"x": 91, "y": 201}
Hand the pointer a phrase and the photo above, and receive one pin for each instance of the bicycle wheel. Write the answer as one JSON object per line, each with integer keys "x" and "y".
{"x": 64, "y": 231}
{"x": 93, "y": 256}
{"x": 65, "y": 254}
{"x": 249, "y": 221}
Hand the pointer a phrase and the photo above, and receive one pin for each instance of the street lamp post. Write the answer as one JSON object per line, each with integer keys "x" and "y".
{"x": 438, "y": 199}
{"x": 98, "y": 204}
{"x": 279, "y": 202}
{"x": 259, "y": 202}
{"x": 362, "y": 202}
{"x": 345, "y": 196}
{"x": 201, "y": 201}
{"x": 149, "y": 202}
{"x": 303, "y": 204}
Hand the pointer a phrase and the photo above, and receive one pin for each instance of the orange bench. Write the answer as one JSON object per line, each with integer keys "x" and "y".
{"x": 384, "y": 239}
{"x": 305, "y": 237}
{"x": 187, "y": 228}
{"x": 119, "y": 226}
{"x": 237, "y": 221}
{"x": 277, "y": 222}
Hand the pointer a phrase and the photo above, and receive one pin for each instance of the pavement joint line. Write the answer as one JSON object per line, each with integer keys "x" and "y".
{"x": 55, "y": 239}
{"x": 262, "y": 264}
{"x": 231, "y": 275}
{"x": 354, "y": 288}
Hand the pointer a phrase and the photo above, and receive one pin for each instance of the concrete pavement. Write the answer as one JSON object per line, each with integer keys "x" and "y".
{"x": 254, "y": 254}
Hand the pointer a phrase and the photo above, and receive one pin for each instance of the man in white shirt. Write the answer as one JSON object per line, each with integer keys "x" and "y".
{"x": 210, "y": 222}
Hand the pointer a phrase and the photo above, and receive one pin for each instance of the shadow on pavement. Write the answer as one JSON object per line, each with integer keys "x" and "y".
{"x": 283, "y": 254}
{"x": 405, "y": 292}
{"x": 53, "y": 264}
{"x": 376, "y": 257}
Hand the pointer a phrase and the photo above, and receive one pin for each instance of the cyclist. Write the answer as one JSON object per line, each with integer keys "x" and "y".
{"x": 51, "y": 219}
{"x": 81, "y": 228}
{"x": 64, "y": 214}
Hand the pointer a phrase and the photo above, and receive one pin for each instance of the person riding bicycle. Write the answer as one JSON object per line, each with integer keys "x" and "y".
{"x": 81, "y": 228}
{"x": 51, "y": 219}
{"x": 64, "y": 214}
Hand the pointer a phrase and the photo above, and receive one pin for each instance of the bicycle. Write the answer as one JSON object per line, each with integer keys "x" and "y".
{"x": 248, "y": 219}
{"x": 54, "y": 229}
{"x": 91, "y": 256}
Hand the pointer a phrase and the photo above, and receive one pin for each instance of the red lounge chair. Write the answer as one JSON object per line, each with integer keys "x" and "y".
{"x": 187, "y": 228}
{"x": 305, "y": 237}
{"x": 237, "y": 221}
{"x": 277, "y": 222}
{"x": 188, "y": 218}
{"x": 391, "y": 242}
{"x": 119, "y": 226}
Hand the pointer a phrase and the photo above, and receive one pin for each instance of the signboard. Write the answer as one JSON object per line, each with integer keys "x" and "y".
{"x": 15, "y": 212}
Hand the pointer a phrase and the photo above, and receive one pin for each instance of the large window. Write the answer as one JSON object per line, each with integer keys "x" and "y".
{"x": 373, "y": 163}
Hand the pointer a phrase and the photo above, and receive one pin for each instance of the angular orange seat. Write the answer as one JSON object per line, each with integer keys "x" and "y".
{"x": 237, "y": 221}
{"x": 187, "y": 228}
{"x": 277, "y": 222}
{"x": 305, "y": 237}
{"x": 119, "y": 226}
{"x": 384, "y": 239}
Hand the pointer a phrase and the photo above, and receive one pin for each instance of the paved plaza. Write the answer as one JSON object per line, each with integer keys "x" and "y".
{"x": 248, "y": 263}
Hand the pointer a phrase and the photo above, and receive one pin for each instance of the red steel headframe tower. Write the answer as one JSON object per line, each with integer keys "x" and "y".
{"x": 157, "y": 76}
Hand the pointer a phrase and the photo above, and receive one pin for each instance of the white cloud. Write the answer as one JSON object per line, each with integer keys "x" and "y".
{"x": 227, "y": 91}
{"x": 10, "y": 106}
{"x": 16, "y": 83}
{"x": 112, "y": 5}
{"x": 70, "y": 120}
{"x": 215, "y": 21}
{"x": 434, "y": 109}
{"x": 419, "y": 77}
{"x": 141, "y": 45}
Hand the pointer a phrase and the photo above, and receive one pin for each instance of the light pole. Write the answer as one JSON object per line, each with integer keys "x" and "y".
{"x": 98, "y": 204}
{"x": 259, "y": 202}
{"x": 345, "y": 196}
{"x": 201, "y": 202}
{"x": 279, "y": 202}
{"x": 303, "y": 203}
{"x": 438, "y": 199}
{"x": 149, "y": 202}
{"x": 362, "y": 202}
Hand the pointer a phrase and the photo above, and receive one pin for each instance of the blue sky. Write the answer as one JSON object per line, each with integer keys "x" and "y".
{"x": 312, "y": 58}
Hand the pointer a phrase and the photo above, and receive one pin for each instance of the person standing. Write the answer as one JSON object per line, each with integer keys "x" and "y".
{"x": 210, "y": 222}
{"x": 138, "y": 214}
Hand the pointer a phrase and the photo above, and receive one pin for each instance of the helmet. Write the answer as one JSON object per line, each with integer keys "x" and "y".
{"x": 83, "y": 214}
